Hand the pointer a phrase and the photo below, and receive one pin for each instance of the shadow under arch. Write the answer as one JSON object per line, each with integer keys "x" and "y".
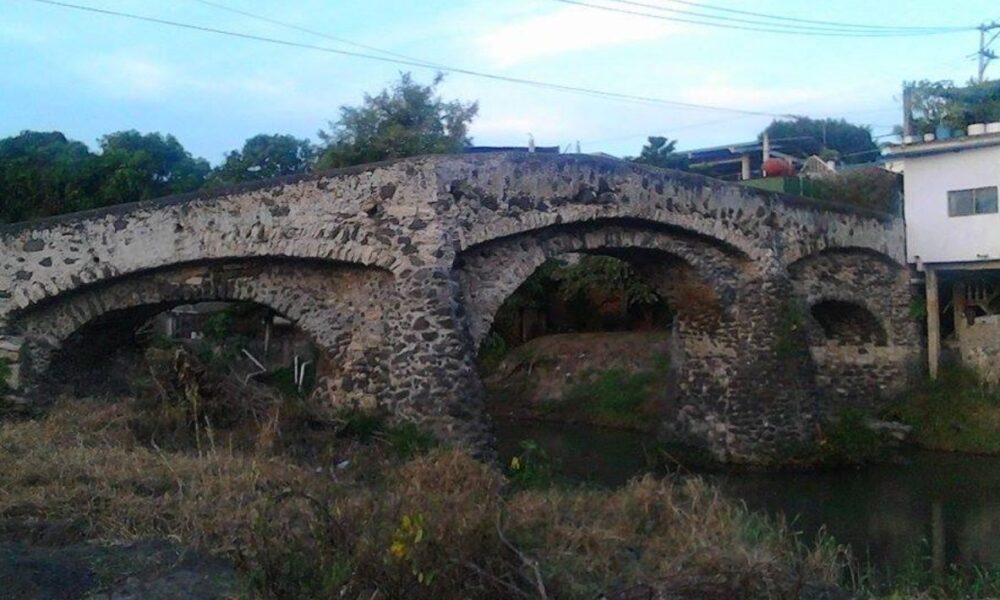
{"x": 337, "y": 305}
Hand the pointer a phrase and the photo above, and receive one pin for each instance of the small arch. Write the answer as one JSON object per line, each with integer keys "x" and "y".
{"x": 848, "y": 323}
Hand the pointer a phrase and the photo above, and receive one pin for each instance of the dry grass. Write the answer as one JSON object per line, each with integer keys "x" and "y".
{"x": 441, "y": 525}
{"x": 83, "y": 464}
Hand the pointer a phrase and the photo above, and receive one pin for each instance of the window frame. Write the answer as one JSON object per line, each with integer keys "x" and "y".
{"x": 974, "y": 199}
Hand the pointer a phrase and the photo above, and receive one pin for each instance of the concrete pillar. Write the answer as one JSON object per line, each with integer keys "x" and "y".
{"x": 958, "y": 302}
{"x": 933, "y": 323}
{"x": 745, "y": 167}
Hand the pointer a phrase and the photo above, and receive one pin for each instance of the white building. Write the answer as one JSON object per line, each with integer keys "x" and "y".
{"x": 953, "y": 236}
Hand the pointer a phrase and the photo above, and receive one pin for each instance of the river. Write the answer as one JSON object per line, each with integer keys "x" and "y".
{"x": 944, "y": 508}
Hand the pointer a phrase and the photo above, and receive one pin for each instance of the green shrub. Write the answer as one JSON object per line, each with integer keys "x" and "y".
{"x": 849, "y": 440}
{"x": 955, "y": 412}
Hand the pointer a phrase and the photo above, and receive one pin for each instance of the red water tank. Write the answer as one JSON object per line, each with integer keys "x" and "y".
{"x": 777, "y": 167}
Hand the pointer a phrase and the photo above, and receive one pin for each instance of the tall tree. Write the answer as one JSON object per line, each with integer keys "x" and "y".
{"x": 407, "y": 119}
{"x": 264, "y": 157}
{"x": 828, "y": 138}
{"x": 42, "y": 174}
{"x": 134, "y": 166}
{"x": 659, "y": 152}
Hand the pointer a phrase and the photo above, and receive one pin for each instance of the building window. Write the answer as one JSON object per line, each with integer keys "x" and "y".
{"x": 978, "y": 201}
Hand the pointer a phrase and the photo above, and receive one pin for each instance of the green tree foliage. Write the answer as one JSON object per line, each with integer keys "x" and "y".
{"x": 135, "y": 166}
{"x": 43, "y": 173}
{"x": 941, "y": 103}
{"x": 408, "y": 119}
{"x": 595, "y": 293}
{"x": 659, "y": 152}
{"x": 266, "y": 156}
{"x": 827, "y": 138}
{"x": 608, "y": 276}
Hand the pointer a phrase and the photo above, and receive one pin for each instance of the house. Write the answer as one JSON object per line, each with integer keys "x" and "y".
{"x": 740, "y": 161}
{"x": 953, "y": 237}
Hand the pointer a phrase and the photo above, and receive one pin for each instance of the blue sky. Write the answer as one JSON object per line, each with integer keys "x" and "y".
{"x": 87, "y": 74}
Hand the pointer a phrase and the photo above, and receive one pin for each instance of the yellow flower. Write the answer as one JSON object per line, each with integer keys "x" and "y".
{"x": 515, "y": 463}
{"x": 398, "y": 549}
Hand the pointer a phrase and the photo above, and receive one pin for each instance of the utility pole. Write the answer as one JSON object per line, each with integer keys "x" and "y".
{"x": 985, "y": 54}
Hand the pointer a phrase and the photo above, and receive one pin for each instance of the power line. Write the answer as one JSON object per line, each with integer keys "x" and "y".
{"x": 796, "y": 28}
{"x": 771, "y": 28}
{"x": 605, "y": 94}
{"x": 797, "y": 20}
{"x": 321, "y": 34}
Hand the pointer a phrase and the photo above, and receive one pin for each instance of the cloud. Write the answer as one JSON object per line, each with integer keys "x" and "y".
{"x": 570, "y": 29}
{"x": 22, "y": 34}
{"x": 719, "y": 91}
{"x": 134, "y": 77}
{"x": 126, "y": 76}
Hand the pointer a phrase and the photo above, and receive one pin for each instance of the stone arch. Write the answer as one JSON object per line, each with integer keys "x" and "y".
{"x": 702, "y": 280}
{"x": 860, "y": 334}
{"x": 490, "y": 272}
{"x": 336, "y": 304}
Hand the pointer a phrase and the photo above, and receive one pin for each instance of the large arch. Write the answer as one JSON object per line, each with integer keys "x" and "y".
{"x": 723, "y": 301}
{"x": 488, "y": 273}
{"x": 336, "y": 304}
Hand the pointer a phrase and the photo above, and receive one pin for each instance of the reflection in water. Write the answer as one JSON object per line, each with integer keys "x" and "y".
{"x": 945, "y": 506}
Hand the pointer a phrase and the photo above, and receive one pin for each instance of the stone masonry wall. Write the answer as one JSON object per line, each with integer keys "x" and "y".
{"x": 437, "y": 243}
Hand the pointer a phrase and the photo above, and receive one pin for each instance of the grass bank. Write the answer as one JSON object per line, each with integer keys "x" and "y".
{"x": 368, "y": 520}
{"x": 954, "y": 413}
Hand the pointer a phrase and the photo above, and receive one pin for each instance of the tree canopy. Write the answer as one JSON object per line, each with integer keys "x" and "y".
{"x": 942, "y": 103}
{"x": 828, "y": 138}
{"x": 659, "y": 152}
{"x": 264, "y": 157}
{"x": 43, "y": 173}
{"x": 135, "y": 166}
{"x": 407, "y": 119}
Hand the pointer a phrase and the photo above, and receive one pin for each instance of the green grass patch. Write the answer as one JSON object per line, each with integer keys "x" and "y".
{"x": 405, "y": 439}
{"x": 956, "y": 413}
{"x": 611, "y": 397}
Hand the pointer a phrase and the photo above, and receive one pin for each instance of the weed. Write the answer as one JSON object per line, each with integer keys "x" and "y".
{"x": 492, "y": 352}
{"x": 955, "y": 412}
{"x": 532, "y": 468}
{"x": 440, "y": 525}
{"x": 407, "y": 440}
{"x": 5, "y": 373}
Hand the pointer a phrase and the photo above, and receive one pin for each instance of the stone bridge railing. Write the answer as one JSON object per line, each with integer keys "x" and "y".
{"x": 397, "y": 270}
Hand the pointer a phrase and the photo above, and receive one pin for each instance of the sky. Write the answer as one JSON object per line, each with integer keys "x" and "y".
{"x": 88, "y": 74}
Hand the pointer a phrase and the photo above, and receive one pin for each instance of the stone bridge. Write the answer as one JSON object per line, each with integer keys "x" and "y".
{"x": 786, "y": 309}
